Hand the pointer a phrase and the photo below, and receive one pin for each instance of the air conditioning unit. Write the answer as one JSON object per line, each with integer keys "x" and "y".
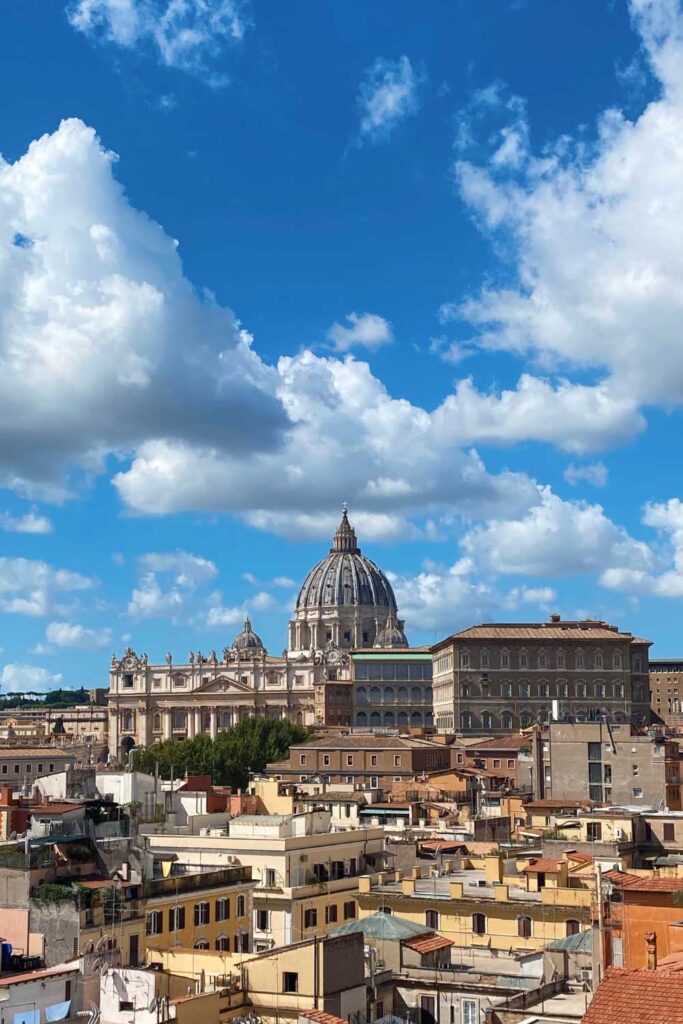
{"x": 586, "y": 974}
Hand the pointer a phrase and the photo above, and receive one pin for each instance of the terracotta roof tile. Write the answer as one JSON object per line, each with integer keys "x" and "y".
{"x": 320, "y": 1017}
{"x": 570, "y": 630}
{"x": 429, "y": 944}
{"x": 637, "y": 997}
{"x": 543, "y": 864}
{"x": 46, "y": 972}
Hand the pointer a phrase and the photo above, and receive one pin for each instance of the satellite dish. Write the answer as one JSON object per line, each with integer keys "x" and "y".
{"x": 97, "y": 962}
{"x": 102, "y": 944}
{"x": 104, "y": 969}
{"x": 152, "y": 1004}
{"x": 89, "y": 947}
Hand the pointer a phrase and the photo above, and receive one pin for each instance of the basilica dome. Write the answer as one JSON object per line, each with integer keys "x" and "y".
{"x": 247, "y": 640}
{"x": 345, "y": 577}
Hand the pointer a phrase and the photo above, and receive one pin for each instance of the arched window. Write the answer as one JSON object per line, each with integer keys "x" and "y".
{"x": 486, "y": 721}
{"x": 525, "y": 718}
{"x": 389, "y": 695}
{"x": 241, "y": 906}
{"x": 223, "y": 944}
{"x": 361, "y": 695}
{"x": 432, "y": 919}
{"x": 403, "y": 718}
{"x": 375, "y": 719}
{"x": 201, "y": 944}
{"x": 416, "y": 719}
{"x": 479, "y": 924}
{"x": 403, "y": 695}
{"x": 361, "y": 718}
{"x": 415, "y": 695}
{"x": 573, "y": 927}
{"x": 429, "y": 718}
{"x": 389, "y": 718}
{"x": 128, "y": 721}
{"x": 506, "y": 720}
{"x": 465, "y": 720}
{"x": 375, "y": 694}
{"x": 156, "y": 723}
{"x": 384, "y": 910}
{"x": 524, "y": 926}
{"x": 226, "y": 719}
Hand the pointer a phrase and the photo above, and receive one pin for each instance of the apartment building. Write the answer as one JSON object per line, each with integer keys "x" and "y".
{"x": 505, "y": 759}
{"x": 199, "y": 909}
{"x": 19, "y": 766}
{"x": 361, "y": 760}
{"x": 606, "y": 764}
{"x": 476, "y": 909}
{"x": 666, "y": 691}
{"x": 306, "y": 876}
{"x": 498, "y": 677}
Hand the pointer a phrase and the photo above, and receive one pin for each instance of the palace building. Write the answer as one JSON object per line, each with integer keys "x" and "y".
{"x": 346, "y": 603}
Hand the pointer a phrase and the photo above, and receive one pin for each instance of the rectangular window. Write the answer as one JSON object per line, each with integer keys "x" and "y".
{"x": 349, "y": 910}
{"x": 176, "y": 919}
{"x": 669, "y": 832}
{"x": 201, "y": 913}
{"x": 544, "y": 690}
{"x": 523, "y": 660}
{"x": 397, "y": 760}
{"x": 302, "y": 759}
{"x": 154, "y": 923}
{"x": 496, "y": 762}
{"x": 310, "y": 918}
{"x": 637, "y": 793}
{"x": 506, "y": 689}
{"x": 560, "y": 659}
{"x": 505, "y": 660}
{"x": 4, "y": 769}
{"x": 470, "y": 1013}
{"x": 51, "y": 767}
{"x": 127, "y": 680}
{"x": 40, "y": 768}
{"x": 16, "y": 769}
{"x": 222, "y": 909}
{"x": 511, "y": 762}
{"x": 374, "y": 782}
{"x": 29, "y": 769}
{"x": 373, "y": 760}
{"x": 484, "y": 659}
{"x": 594, "y": 831}
{"x": 524, "y": 690}
{"x": 331, "y": 914}
{"x": 262, "y": 920}
{"x": 290, "y": 981}
{"x": 326, "y": 760}
{"x": 349, "y": 760}
{"x": 595, "y": 751}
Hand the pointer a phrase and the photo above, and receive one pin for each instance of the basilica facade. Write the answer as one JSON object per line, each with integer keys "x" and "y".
{"x": 345, "y": 603}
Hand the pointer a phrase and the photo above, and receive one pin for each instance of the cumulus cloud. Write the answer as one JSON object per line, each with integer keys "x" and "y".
{"x": 387, "y": 95}
{"x": 367, "y": 330}
{"x": 184, "y": 34}
{"x": 19, "y": 678}
{"x": 71, "y": 634}
{"x": 594, "y": 473}
{"x": 29, "y": 587}
{"x": 181, "y": 573}
{"x": 28, "y": 522}
{"x": 218, "y": 615}
{"x": 555, "y": 538}
{"x": 667, "y": 579}
{"x": 104, "y": 344}
{"x": 593, "y": 229}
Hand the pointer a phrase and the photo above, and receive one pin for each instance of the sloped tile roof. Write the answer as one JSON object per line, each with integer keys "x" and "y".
{"x": 637, "y": 997}
{"x": 429, "y": 944}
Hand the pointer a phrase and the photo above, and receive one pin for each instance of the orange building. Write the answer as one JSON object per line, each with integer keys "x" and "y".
{"x": 636, "y": 906}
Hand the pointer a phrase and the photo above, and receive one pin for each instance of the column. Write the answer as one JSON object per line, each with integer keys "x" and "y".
{"x": 212, "y": 727}
{"x": 197, "y": 715}
{"x": 167, "y": 723}
{"x": 190, "y": 724}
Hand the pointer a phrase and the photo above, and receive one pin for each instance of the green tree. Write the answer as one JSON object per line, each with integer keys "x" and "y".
{"x": 228, "y": 759}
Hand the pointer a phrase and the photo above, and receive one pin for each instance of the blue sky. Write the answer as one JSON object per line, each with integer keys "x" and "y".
{"x": 257, "y": 259}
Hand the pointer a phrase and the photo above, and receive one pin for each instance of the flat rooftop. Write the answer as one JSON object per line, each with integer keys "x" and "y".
{"x": 473, "y": 884}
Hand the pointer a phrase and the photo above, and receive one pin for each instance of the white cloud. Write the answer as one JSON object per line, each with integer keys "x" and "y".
{"x": 181, "y": 574}
{"x": 262, "y": 601}
{"x": 70, "y": 634}
{"x": 284, "y": 581}
{"x": 104, "y": 344}
{"x": 387, "y": 95}
{"x": 556, "y": 538}
{"x": 367, "y": 330}
{"x": 595, "y": 473}
{"x": 667, "y": 519}
{"x": 18, "y": 678}
{"x": 185, "y": 34}
{"x": 594, "y": 232}
{"x": 29, "y": 587}
{"x": 218, "y": 615}
{"x": 29, "y": 522}
{"x": 187, "y": 570}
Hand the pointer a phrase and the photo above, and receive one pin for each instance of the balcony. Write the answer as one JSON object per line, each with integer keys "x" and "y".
{"x": 197, "y": 881}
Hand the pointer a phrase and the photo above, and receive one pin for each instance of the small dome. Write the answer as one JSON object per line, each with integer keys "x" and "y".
{"x": 247, "y": 640}
{"x": 346, "y": 577}
{"x": 392, "y": 635}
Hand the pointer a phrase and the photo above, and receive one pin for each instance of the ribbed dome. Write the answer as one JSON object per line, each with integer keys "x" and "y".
{"x": 346, "y": 577}
{"x": 392, "y": 635}
{"x": 247, "y": 639}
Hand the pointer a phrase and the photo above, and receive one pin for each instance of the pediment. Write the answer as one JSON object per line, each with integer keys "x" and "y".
{"x": 224, "y": 684}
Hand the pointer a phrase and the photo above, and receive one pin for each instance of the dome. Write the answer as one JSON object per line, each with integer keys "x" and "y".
{"x": 247, "y": 640}
{"x": 346, "y": 577}
{"x": 392, "y": 635}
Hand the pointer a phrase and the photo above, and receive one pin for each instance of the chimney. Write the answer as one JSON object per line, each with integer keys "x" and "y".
{"x": 554, "y": 617}
{"x": 651, "y": 948}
